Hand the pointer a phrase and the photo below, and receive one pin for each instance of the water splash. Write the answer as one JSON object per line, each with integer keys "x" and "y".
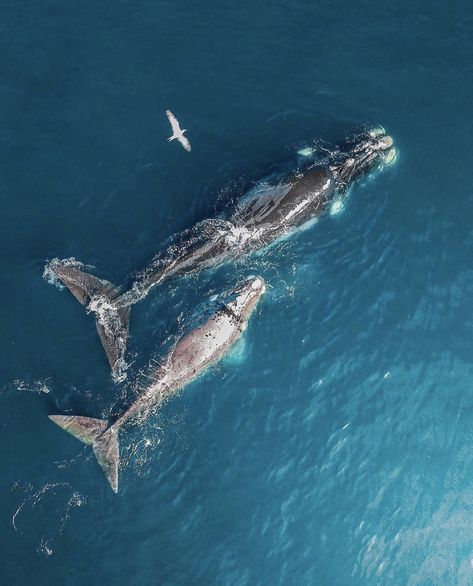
{"x": 50, "y": 276}
{"x": 337, "y": 207}
{"x": 107, "y": 316}
{"x": 40, "y": 386}
{"x": 306, "y": 152}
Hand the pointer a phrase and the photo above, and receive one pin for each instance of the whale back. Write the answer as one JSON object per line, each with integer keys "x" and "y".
{"x": 290, "y": 202}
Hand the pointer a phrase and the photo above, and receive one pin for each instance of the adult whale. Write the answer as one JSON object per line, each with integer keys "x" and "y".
{"x": 192, "y": 354}
{"x": 274, "y": 209}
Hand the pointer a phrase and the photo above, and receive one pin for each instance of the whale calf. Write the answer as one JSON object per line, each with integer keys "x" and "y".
{"x": 192, "y": 354}
{"x": 275, "y": 209}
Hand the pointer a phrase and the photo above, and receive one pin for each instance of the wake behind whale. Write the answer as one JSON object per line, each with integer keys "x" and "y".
{"x": 273, "y": 211}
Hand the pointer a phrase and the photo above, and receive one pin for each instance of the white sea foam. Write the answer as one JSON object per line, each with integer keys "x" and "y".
{"x": 37, "y": 502}
{"x": 119, "y": 373}
{"x": 238, "y": 235}
{"x": 337, "y": 207}
{"x": 238, "y": 354}
{"x": 34, "y": 498}
{"x": 50, "y": 276}
{"x": 107, "y": 316}
{"x": 36, "y": 386}
{"x": 306, "y": 152}
{"x": 45, "y": 548}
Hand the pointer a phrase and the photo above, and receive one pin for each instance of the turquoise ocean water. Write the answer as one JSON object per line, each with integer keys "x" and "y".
{"x": 334, "y": 445}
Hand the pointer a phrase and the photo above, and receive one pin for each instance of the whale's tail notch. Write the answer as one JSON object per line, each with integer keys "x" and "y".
{"x": 102, "y": 438}
{"x": 98, "y": 295}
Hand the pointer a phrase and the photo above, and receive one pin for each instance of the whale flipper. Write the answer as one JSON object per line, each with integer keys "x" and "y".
{"x": 95, "y": 432}
{"x": 98, "y": 295}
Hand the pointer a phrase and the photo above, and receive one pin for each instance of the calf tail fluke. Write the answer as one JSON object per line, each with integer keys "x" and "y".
{"x": 98, "y": 296}
{"x": 96, "y": 433}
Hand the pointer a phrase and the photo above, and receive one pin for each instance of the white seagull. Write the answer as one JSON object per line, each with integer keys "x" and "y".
{"x": 177, "y": 132}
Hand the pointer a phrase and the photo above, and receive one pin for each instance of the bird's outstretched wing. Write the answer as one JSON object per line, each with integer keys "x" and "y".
{"x": 185, "y": 143}
{"x": 174, "y": 123}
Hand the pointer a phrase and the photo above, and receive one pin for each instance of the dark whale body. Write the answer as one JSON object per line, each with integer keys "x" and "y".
{"x": 271, "y": 212}
{"x": 253, "y": 225}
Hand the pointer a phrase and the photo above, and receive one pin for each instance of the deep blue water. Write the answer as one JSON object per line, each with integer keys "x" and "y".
{"x": 334, "y": 446}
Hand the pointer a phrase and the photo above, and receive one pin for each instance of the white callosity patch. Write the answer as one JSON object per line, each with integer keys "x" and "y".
{"x": 385, "y": 144}
{"x": 377, "y": 131}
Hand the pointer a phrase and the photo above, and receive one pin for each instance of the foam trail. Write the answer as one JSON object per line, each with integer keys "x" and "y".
{"x": 37, "y": 500}
{"x": 35, "y": 497}
{"x": 36, "y": 386}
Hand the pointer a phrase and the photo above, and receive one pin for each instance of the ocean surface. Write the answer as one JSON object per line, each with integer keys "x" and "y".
{"x": 334, "y": 445}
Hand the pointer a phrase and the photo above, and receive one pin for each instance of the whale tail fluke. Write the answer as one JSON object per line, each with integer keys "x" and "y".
{"x": 98, "y": 295}
{"x": 96, "y": 433}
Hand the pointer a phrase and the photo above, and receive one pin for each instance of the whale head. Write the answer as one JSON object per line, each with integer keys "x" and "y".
{"x": 245, "y": 297}
{"x": 362, "y": 153}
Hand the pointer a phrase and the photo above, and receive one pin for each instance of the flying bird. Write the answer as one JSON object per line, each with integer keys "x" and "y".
{"x": 177, "y": 132}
